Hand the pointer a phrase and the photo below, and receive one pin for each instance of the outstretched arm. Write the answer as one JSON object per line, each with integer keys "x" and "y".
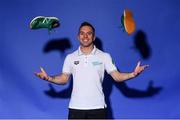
{"x": 57, "y": 79}
{"x": 119, "y": 77}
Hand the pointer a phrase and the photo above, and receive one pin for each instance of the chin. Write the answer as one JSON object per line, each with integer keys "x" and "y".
{"x": 85, "y": 45}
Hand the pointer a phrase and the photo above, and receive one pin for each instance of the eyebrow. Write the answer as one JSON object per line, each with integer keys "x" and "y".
{"x": 85, "y": 32}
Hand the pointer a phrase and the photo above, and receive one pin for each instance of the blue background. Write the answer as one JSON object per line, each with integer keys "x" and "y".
{"x": 153, "y": 94}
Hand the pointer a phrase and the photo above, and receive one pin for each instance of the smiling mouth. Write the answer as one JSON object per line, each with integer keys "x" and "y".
{"x": 85, "y": 40}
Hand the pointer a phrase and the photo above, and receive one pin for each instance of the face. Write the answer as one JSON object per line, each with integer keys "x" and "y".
{"x": 86, "y": 36}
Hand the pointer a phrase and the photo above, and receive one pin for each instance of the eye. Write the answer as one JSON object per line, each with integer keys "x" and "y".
{"x": 81, "y": 33}
{"x": 89, "y": 33}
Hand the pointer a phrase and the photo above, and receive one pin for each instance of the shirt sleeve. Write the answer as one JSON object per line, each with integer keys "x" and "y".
{"x": 67, "y": 65}
{"x": 109, "y": 64}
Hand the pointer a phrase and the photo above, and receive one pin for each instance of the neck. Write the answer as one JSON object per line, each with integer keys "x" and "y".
{"x": 87, "y": 50}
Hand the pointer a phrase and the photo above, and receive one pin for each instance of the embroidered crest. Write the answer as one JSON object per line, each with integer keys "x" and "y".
{"x": 76, "y": 62}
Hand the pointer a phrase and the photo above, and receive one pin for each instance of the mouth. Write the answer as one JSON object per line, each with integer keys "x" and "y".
{"x": 85, "y": 40}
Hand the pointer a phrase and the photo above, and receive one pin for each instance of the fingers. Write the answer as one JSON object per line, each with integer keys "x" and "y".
{"x": 145, "y": 66}
{"x": 42, "y": 75}
{"x": 36, "y": 73}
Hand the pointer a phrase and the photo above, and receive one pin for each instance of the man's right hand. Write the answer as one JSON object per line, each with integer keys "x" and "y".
{"x": 43, "y": 75}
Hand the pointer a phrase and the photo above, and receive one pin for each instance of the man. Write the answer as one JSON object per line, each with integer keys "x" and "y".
{"x": 87, "y": 65}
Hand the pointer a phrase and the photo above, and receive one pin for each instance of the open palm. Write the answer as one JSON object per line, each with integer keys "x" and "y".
{"x": 139, "y": 68}
{"x": 43, "y": 75}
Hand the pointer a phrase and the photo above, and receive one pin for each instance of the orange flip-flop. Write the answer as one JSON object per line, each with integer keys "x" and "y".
{"x": 128, "y": 21}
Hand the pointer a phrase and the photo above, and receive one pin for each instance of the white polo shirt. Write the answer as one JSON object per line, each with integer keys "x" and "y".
{"x": 88, "y": 73}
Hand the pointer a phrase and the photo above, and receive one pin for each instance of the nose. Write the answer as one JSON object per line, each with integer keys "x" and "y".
{"x": 85, "y": 35}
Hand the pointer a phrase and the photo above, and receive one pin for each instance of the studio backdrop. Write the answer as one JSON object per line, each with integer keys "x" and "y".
{"x": 155, "y": 41}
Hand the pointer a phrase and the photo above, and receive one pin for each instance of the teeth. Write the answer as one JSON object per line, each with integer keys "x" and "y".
{"x": 85, "y": 40}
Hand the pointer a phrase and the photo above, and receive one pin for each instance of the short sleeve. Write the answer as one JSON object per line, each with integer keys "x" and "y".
{"x": 67, "y": 65}
{"x": 109, "y": 64}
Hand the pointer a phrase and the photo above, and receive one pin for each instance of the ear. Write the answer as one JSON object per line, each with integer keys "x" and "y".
{"x": 94, "y": 37}
{"x": 78, "y": 37}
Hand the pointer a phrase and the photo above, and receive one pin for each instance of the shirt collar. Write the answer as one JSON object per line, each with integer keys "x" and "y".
{"x": 93, "y": 52}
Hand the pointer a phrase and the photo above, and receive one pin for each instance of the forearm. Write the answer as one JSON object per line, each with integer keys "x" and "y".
{"x": 120, "y": 77}
{"x": 58, "y": 79}
{"x": 125, "y": 76}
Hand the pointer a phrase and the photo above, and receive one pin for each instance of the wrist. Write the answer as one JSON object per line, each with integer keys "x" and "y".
{"x": 49, "y": 78}
{"x": 133, "y": 74}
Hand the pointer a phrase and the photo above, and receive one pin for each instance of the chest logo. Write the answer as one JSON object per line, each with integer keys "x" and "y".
{"x": 96, "y": 63}
{"x": 76, "y": 62}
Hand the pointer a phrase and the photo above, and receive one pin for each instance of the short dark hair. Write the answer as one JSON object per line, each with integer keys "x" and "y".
{"x": 87, "y": 24}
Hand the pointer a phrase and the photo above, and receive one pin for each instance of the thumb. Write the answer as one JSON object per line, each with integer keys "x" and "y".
{"x": 42, "y": 70}
{"x": 139, "y": 63}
